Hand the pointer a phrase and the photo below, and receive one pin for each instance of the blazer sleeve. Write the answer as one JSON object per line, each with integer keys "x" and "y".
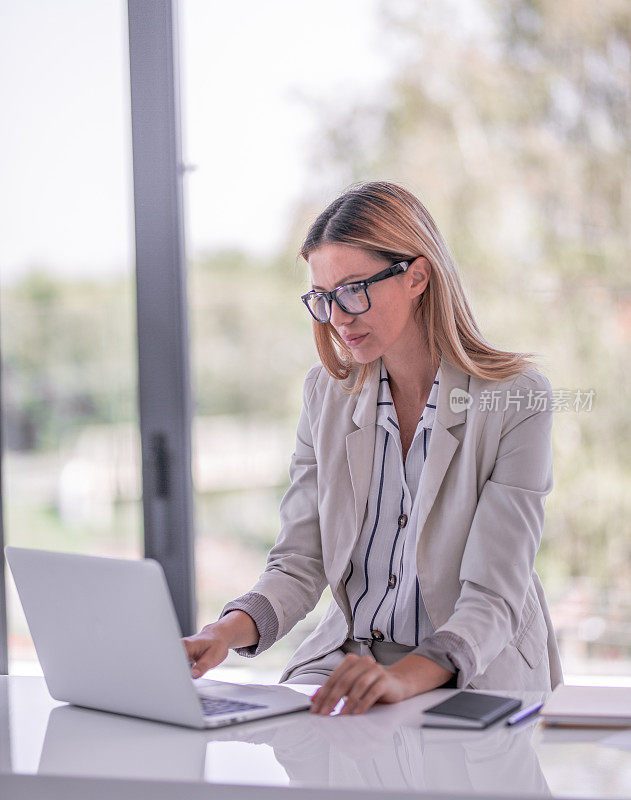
{"x": 294, "y": 578}
{"x": 503, "y": 540}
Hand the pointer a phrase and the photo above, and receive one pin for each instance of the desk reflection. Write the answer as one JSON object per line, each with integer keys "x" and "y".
{"x": 83, "y": 742}
{"x": 387, "y": 749}
{"x": 383, "y": 749}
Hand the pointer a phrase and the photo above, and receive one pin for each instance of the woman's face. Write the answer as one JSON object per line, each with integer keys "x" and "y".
{"x": 389, "y": 321}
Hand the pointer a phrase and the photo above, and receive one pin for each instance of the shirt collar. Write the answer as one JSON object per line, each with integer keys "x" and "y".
{"x": 386, "y": 412}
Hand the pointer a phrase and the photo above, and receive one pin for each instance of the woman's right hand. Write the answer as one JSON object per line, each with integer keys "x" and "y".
{"x": 207, "y": 648}
{"x": 210, "y": 646}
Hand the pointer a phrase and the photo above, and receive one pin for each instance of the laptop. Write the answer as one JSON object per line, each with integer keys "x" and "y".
{"x": 107, "y": 638}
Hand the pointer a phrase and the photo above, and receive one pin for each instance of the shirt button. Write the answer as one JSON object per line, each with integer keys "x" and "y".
{"x": 392, "y": 581}
{"x": 403, "y": 520}
{"x": 377, "y": 636}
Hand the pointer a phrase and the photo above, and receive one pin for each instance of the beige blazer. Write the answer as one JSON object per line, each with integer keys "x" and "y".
{"x": 487, "y": 473}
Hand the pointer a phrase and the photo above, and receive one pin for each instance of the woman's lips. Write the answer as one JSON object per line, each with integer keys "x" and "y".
{"x": 354, "y": 340}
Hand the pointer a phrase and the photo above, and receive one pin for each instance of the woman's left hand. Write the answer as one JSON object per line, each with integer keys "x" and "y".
{"x": 363, "y": 682}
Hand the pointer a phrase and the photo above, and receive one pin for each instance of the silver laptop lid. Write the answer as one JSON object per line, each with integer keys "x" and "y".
{"x": 106, "y": 634}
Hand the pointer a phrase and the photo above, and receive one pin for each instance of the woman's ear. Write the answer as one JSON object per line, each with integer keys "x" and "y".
{"x": 419, "y": 271}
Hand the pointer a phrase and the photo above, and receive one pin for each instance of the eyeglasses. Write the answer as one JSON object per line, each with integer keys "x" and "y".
{"x": 352, "y": 298}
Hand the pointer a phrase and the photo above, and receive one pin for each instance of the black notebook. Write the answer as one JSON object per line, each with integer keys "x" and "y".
{"x": 469, "y": 710}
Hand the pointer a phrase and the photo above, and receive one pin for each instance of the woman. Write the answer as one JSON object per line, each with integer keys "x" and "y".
{"x": 430, "y": 565}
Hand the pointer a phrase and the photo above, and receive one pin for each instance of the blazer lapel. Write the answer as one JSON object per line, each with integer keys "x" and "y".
{"x": 360, "y": 447}
{"x": 451, "y": 410}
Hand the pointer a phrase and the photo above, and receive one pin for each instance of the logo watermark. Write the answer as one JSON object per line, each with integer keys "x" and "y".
{"x": 459, "y": 399}
{"x": 533, "y": 399}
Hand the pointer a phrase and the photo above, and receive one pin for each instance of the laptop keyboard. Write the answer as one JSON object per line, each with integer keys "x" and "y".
{"x": 212, "y": 706}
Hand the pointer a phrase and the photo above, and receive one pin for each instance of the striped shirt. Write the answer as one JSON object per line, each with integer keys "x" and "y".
{"x": 381, "y": 580}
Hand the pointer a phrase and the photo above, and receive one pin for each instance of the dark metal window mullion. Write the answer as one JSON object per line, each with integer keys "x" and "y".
{"x": 164, "y": 385}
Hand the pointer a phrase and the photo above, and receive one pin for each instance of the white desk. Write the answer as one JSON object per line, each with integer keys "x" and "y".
{"x": 383, "y": 750}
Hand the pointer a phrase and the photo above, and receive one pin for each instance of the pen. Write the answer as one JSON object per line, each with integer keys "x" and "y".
{"x": 523, "y": 713}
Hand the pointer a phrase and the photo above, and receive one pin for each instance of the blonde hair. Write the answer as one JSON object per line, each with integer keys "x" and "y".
{"x": 389, "y": 222}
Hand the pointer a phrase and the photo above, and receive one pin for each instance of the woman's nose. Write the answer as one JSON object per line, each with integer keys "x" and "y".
{"x": 338, "y": 317}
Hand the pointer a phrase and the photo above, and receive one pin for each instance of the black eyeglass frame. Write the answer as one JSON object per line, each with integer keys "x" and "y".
{"x": 394, "y": 269}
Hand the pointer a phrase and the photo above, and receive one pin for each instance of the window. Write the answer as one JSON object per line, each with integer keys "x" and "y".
{"x": 69, "y": 400}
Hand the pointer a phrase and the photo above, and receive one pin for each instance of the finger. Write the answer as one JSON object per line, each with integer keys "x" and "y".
{"x": 203, "y": 664}
{"x": 368, "y": 699}
{"x": 189, "y": 646}
{"x": 373, "y": 694}
{"x": 342, "y": 680}
{"x": 209, "y": 658}
{"x": 323, "y": 695}
{"x": 361, "y": 685}
{"x": 194, "y": 647}
{"x": 199, "y": 668}
{"x": 360, "y": 688}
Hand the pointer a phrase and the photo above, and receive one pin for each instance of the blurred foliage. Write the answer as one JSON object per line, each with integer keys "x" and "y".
{"x": 69, "y": 347}
{"x": 68, "y": 350}
{"x": 515, "y": 133}
{"x": 251, "y": 339}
